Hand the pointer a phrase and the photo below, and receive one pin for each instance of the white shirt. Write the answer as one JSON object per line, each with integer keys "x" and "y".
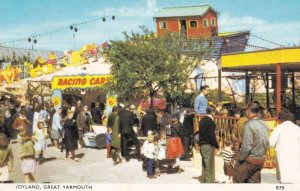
{"x": 149, "y": 150}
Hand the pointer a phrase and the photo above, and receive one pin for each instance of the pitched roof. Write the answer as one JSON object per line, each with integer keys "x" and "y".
{"x": 20, "y": 53}
{"x": 196, "y": 10}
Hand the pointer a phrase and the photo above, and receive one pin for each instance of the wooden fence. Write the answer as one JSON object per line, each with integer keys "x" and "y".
{"x": 225, "y": 127}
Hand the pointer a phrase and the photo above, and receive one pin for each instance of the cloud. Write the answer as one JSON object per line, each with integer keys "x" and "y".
{"x": 228, "y": 21}
{"x": 284, "y": 33}
{"x": 151, "y": 4}
{"x": 148, "y": 10}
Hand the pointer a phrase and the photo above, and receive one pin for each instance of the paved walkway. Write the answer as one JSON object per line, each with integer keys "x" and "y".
{"x": 94, "y": 167}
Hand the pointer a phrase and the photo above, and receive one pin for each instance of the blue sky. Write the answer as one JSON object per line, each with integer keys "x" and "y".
{"x": 275, "y": 20}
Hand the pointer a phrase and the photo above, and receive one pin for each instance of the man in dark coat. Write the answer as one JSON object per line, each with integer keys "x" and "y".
{"x": 126, "y": 122}
{"x": 208, "y": 143}
{"x": 149, "y": 122}
{"x": 97, "y": 114}
{"x": 186, "y": 133}
{"x": 82, "y": 121}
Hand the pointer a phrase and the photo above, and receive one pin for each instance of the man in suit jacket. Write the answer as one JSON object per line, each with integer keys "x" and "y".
{"x": 126, "y": 123}
{"x": 149, "y": 122}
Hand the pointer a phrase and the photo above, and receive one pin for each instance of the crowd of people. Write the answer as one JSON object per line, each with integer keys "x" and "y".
{"x": 246, "y": 147}
{"x": 33, "y": 124}
{"x": 154, "y": 137}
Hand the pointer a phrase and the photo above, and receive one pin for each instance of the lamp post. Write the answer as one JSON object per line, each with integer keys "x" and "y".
{"x": 34, "y": 41}
{"x": 74, "y": 28}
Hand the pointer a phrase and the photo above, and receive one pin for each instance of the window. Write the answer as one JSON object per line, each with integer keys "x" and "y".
{"x": 212, "y": 22}
{"x": 193, "y": 24}
{"x": 163, "y": 25}
{"x": 205, "y": 23}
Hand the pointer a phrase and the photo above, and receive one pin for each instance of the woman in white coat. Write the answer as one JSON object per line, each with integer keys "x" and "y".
{"x": 286, "y": 140}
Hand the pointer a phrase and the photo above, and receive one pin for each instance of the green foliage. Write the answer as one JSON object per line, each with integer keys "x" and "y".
{"x": 144, "y": 64}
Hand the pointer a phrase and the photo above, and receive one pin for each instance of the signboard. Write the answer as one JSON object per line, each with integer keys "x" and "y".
{"x": 81, "y": 82}
{"x": 56, "y": 99}
{"x": 111, "y": 101}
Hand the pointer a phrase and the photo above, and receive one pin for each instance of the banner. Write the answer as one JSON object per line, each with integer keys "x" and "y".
{"x": 56, "y": 99}
{"x": 81, "y": 82}
{"x": 158, "y": 103}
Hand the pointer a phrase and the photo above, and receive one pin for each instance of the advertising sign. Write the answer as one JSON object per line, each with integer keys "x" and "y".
{"x": 81, "y": 82}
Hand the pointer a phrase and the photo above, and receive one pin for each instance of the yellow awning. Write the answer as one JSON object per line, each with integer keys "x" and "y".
{"x": 289, "y": 58}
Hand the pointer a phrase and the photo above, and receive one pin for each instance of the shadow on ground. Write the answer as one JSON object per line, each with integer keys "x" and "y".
{"x": 80, "y": 155}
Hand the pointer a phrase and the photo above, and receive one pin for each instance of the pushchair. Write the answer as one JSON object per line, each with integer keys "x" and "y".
{"x": 166, "y": 160}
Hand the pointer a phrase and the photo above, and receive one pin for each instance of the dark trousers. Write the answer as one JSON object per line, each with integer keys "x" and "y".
{"x": 62, "y": 146}
{"x": 208, "y": 163}
{"x": 125, "y": 139}
{"x": 150, "y": 167}
{"x": 186, "y": 141}
{"x": 81, "y": 134}
{"x": 247, "y": 173}
{"x": 228, "y": 169}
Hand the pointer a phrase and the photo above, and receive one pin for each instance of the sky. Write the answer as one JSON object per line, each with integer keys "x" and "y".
{"x": 274, "y": 20}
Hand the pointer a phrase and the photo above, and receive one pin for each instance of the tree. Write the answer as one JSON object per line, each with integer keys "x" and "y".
{"x": 149, "y": 65}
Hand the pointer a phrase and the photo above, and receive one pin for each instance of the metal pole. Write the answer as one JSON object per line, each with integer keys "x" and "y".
{"x": 219, "y": 85}
{"x": 268, "y": 90}
{"x": 247, "y": 87}
{"x": 293, "y": 91}
{"x": 74, "y": 40}
{"x": 278, "y": 88}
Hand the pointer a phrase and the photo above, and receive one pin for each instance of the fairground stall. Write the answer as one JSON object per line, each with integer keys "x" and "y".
{"x": 78, "y": 75}
{"x": 279, "y": 69}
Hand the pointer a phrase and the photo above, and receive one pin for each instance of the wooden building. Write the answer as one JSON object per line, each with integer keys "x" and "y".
{"x": 192, "y": 22}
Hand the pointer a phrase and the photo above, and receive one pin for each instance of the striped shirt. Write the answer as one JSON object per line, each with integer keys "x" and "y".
{"x": 227, "y": 155}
